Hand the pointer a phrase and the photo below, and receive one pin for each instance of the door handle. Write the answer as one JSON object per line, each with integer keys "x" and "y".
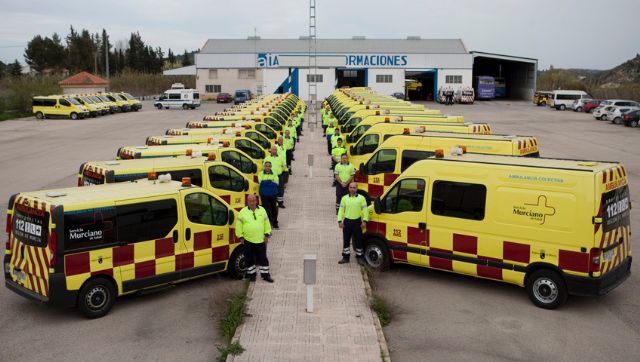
{"x": 187, "y": 233}
{"x": 175, "y": 236}
{"x": 422, "y": 225}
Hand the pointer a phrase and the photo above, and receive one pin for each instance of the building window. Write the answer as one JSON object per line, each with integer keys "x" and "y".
{"x": 314, "y": 78}
{"x": 350, "y": 73}
{"x": 453, "y": 79}
{"x": 213, "y": 73}
{"x": 246, "y": 73}
{"x": 384, "y": 78}
{"x": 213, "y": 88}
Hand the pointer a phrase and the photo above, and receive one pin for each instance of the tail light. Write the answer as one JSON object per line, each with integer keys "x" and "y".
{"x": 8, "y": 229}
{"x": 53, "y": 247}
{"x": 80, "y": 183}
{"x": 594, "y": 260}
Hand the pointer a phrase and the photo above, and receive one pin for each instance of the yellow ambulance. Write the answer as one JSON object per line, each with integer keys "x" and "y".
{"x": 255, "y": 136}
{"x": 264, "y": 129}
{"x": 58, "y": 107}
{"x": 553, "y": 226}
{"x": 85, "y": 246}
{"x": 221, "y": 178}
{"x": 358, "y": 116}
{"x": 375, "y": 172}
{"x": 357, "y": 128}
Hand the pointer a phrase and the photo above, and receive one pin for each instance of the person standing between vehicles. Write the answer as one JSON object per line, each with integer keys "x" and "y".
{"x": 269, "y": 192}
{"x": 336, "y": 154}
{"x": 353, "y": 215}
{"x": 326, "y": 119}
{"x": 336, "y": 136}
{"x": 329, "y": 132}
{"x": 344, "y": 173}
{"x": 292, "y": 131}
{"x": 253, "y": 230}
{"x": 277, "y": 166}
{"x": 289, "y": 146}
{"x": 282, "y": 153}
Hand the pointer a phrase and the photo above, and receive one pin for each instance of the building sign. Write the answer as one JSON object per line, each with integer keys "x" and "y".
{"x": 375, "y": 60}
{"x": 268, "y": 60}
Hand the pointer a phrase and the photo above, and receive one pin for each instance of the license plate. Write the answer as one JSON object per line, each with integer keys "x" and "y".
{"x": 608, "y": 255}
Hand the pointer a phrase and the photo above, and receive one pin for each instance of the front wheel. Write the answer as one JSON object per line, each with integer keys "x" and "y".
{"x": 159, "y": 106}
{"x": 185, "y": 106}
{"x": 376, "y": 255}
{"x": 73, "y": 116}
{"x": 562, "y": 107}
{"x": 546, "y": 289}
{"x": 617, "y": 120}
{"x": 236, "y": 266}
{"x": 579, "y": 109}
{"x": 633, "y": 124}
{"x": 39, "y": 115}
{"x": 96, "y": 298}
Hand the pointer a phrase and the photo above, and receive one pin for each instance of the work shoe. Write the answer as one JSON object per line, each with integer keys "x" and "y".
{"x": 251, "y": 278}
{"x": 268, "y": 278}
{"x": 343, "y": 260}
{"x": 276, "y": 226}
{"x": 281, "y": 205}
{"x": 360, "y": 261}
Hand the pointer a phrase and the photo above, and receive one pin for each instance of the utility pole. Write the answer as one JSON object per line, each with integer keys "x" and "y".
{"x": 312, "y": 107}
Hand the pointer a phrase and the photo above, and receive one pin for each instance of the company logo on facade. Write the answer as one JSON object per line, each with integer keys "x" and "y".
{"x": 376, "y": 60}
{"x": 268, "y": 60}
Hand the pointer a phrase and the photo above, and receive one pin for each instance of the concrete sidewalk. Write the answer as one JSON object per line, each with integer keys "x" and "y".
{"x": 278, "y": 328}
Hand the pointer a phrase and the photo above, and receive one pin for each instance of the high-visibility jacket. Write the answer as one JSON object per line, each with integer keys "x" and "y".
{"x": 288, "y": 143}
{"x": 337, "y": 153}
{"x": 353, "y": 208}
{"x": 277, "y": 166}
{"x": 253, "y": 225}
{"x": 268, "y": 183}
{"x": 344, "y": 171}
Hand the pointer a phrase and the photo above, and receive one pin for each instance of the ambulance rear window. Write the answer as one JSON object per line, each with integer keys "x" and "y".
{"x": 615, "y": 209}
{"x": 30, "y": 226}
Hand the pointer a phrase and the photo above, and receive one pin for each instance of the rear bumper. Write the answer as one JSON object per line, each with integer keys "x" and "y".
{"x": 586, "y": 286}
{"x": 58, "y": 293}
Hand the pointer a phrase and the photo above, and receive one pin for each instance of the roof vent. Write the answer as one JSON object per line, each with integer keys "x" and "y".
{"x": 358, "y": 37}
{"x": 413, "y": 37}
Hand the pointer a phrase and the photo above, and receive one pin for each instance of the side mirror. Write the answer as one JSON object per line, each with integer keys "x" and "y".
{"x": 377, "y": 205}
{"x": 246, "y": 185}
{"x": 254, "y": 168}
{"x": 351, "y": 149}
{"x": 231, "y": 218}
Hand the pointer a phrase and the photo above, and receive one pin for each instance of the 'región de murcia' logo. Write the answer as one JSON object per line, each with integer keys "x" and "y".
{"x": 538, "y": 211}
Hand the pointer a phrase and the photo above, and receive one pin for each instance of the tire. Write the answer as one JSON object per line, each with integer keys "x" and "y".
{"x": 376, "y": 255}
{"x": 185, "y": 106}
{"x": 598, "y": 118}
{"x": 39, "y": 115}
{"x": 633, "y": 124}
{"x": 73, "y": 116}
{"x": 546, "y": 289}
{"x": 563, "y": 107}
{"x": 159, "y": 106}
{"x": 603, "y": 118}
{"x": 236, "y": 266}
{"x": 617, "y": 120}
{"x": 579, "y": 109}
{"x": 96, "y": 298}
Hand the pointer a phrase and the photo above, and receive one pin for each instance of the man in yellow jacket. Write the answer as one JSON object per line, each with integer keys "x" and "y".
{"x": 353, "y": 215}
{"x": 253, "y": 230}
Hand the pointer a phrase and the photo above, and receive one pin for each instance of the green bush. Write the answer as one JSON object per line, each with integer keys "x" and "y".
{"x": 142, "y": 84}
{"x": 16, "y": 94}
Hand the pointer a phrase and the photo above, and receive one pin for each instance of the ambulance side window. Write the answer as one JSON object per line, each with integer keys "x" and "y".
{"x": 224, "y": 178}
{"x": 146, "y": 220}
{"x": 259, "y": 139}
{"x": 411, "y": 156}
{"x": 265, "y": 131}
{"x": 194, "y": 174}
{"x": 204, "y": 209}
{"x": 459, "y": 199}
{"x": 64, "y": 102}
{"x": 90, "y": 229}
{"x": 250, "y": 149}
{"x": 406, "y": 196}
{"x": 367, "y": 144}
{"x": 382, "y": 161}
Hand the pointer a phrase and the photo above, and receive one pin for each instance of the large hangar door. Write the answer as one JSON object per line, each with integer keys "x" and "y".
{"x": 351, "y": 78}
{"x": 518, "y": 75}
{"x": 420, "y": 85}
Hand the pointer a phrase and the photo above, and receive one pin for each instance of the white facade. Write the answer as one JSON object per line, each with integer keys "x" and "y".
{"x": 282, "y": 65}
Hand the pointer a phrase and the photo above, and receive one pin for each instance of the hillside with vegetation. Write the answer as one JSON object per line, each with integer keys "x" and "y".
{"x": 622, "y": 81}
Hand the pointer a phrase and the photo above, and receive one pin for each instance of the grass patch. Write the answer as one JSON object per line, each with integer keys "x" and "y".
{"x": 379, "y": 306}
{"x": 233, "y": 318}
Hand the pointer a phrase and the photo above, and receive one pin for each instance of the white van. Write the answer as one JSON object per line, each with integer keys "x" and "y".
{"x": 178, "y": 98}
{"x": 563, "y": 99}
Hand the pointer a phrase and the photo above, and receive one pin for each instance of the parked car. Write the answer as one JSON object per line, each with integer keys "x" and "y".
{"x": 615, "y": 115}
{"x": 541, "y": 98}
{"x": 224, "y": 98}
{"x": 563, "y": 99}
{"x": 242, "y": 95}
{"x": 600, "y": 113}
{"x": 398, "y": 95}
{"x": 590, "y": 105}
{"x": 578, "y": 104}
{"x": 631, "y": 119}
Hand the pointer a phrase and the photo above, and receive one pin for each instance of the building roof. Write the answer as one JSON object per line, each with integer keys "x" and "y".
{"x": 358, "y": 45}
{"x": 477, "y": 54}
{"x": 188, "y": 70}
{"x": 84, "y": 79}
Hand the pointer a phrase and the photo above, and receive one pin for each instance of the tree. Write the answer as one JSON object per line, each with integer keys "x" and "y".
{"x": 185, "y": 59}
{"x": 36, "y": 54}
{"x": 136, "y": 53}
{"x": 3, "y": 69}
{"x": 15, "y": 69}
{"x": 171, "y": 57}
{"x": 106, "y": 49}
{"x": 55, "y": 52}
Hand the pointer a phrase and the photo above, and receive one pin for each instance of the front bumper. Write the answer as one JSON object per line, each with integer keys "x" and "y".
{"x": 587, "y": 286}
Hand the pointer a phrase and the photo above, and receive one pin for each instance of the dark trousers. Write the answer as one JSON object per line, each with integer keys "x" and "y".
{"x": 270, "y": 205}
{"x": 256, "y": 254}
{"x": 351, "y": 230}
{"x": 340, "y": 192}
{"x": 329, "y": 143}
{"x": 324, "y": 129}
{"x": 289, "y": 158}
{"x": 280, "y": 197}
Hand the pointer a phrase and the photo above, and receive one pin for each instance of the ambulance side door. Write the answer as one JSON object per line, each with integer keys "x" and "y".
{"x": 404, "y": 210}
{"x": 205, "y": 232}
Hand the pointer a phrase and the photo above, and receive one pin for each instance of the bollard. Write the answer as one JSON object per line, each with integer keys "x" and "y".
{"x": 310, "y": 163}
{"x": 309, "y": 278}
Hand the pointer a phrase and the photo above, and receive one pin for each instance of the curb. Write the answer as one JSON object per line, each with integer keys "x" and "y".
{"x": 382, "y": 341}
{"x": 236, "y": 335}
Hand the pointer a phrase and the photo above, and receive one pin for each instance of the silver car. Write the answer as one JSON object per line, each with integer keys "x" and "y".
{"x": 600, "y": 113}
{"x": 616, "y": 113}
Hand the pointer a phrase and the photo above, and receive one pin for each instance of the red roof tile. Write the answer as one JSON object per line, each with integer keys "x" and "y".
{"x": 83, "y": 78}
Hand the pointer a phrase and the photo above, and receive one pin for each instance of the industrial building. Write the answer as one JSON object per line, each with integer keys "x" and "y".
{"x": 386, "y": 65}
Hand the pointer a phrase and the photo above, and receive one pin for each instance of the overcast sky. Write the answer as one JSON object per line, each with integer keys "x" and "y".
{"x": 564, "y": 33}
